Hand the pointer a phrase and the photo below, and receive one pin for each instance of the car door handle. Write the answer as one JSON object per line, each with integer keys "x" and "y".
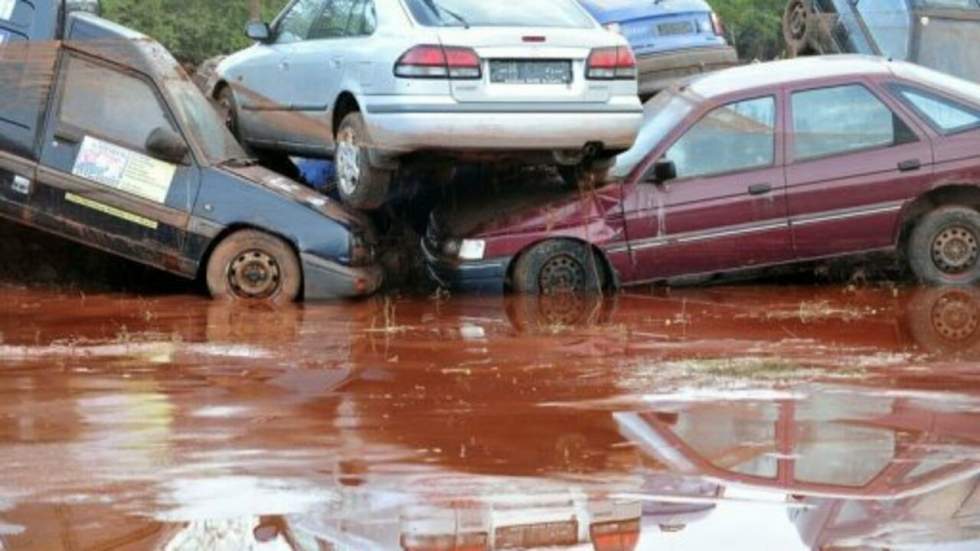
{"x": 909, "y": 165}
{"x": 760, "y": 189}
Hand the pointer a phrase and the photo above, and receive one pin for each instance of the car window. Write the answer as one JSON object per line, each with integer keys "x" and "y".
{"x": 735, "y": 137}
{"x": 333, "y": 20}
{"x": 110, "y": 104}
{"x": 889, "y": 22}
{"x": 843, "y": 119}
{"x": 486, "y": 13}
{"x": 962, "y": 4}
{"x": 295, "y": 25}
{"x": 363, "y": 20}
{"x": 945, "y": 115}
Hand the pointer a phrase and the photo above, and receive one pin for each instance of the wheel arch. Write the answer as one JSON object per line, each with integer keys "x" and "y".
{"x": 346, "y": 104}
{"x": 958, "y": 194}
{"x": 612, "y": 280}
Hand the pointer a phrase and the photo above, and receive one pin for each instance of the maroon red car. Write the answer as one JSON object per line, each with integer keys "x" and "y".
{"x": 746, "y": 168}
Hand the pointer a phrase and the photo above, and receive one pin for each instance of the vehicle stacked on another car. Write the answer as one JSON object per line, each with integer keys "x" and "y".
{"x": 940, "y": 34}
{"x": 750, "y": 167}
{"x": 672, "y": 39}
{"x": 381, "y": 84}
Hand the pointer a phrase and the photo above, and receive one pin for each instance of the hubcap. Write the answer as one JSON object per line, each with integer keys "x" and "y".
{"x": 955, "y": 317}
{"x": 348, "y": 160}
{"x": 254, "y": 275}
{"x": 955, "y": 250}
{"x": 562, "y": 274}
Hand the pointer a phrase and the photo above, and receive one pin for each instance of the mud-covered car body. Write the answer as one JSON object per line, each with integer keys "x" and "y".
{"x": 940, "y": 34}
{"x": 76, "y": 161}
{"x": 820, "y": 184}
{"x": 672, "y": 39}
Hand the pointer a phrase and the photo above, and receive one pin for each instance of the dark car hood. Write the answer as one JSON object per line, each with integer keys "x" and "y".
{"x": 290, "y": 189}
{"x": 523, "y": 210}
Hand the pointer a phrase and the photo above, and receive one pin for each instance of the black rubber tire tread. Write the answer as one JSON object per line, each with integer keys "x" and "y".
{"x": 372, "y": 189}
{"x": 291, "y": 273}
{"x": 919, "y": 252}
{"x": 527, "y": 271}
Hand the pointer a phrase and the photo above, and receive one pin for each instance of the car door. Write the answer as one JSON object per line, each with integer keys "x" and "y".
{"x": 727, "y": 208}
{"x": 853, "y": 162}
{"x": 267, "y": 81}
{"x": 317, "y": 67}
{"x": 96, "y": 181}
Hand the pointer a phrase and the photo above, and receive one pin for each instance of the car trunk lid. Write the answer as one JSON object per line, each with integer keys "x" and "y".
{"x": 522, "y": 64}
{"x": 669, "y": 31}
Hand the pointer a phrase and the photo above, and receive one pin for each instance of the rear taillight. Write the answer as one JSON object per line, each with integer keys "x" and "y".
{"x": 611, "y": 64}
{"x": 439, "y": 62}
{"x": 616, "y": 536}
{"x": 717, "y": 25}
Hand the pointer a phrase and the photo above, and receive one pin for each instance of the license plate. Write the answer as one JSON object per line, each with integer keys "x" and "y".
{"x": 674, "y": 28}
{"x": 531, "y": 72}
{"x": 550, "y": 534}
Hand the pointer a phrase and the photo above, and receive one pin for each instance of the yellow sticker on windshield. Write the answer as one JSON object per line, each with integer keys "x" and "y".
{"x": 124, "y": 170}
{"x": 111, "y": 211}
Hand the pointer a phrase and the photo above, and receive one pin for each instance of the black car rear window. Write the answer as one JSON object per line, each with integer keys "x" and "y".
{"x": 484, "y": 13}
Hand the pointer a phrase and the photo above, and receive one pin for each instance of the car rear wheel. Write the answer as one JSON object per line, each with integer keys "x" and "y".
{"x": 252, "y": 266}
{"x": 945, "y": 247}
{"x": 558, "y": 267}
{"x": 360, "y": 184}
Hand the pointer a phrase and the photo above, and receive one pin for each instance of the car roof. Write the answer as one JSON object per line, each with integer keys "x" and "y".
{"x": 777, "y": 73}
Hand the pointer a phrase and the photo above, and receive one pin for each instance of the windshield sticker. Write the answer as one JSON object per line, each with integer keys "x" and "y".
{"x": 124, "y": 170}
{"x": 7, "y": 9}
{"x": 111, "y": 211}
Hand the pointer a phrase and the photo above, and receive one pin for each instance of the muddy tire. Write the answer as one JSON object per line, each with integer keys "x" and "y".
{"x": 944, "y": 248}
{"x": 228, "y": 109}
{"x": 359, "y": 184}
{"x": 796, "y": 31}
{"x": 535, "y": 314}
{"x": 255, "y": 267}
{"x": 946, "y": 320}
{"x": 558, "y": 266}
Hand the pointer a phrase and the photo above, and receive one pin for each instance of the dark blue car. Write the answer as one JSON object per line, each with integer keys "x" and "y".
{"x": 672, "y": 39}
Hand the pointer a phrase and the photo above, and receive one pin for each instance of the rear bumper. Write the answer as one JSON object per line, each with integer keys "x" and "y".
{"x": 406, "y": 124}
{"x": 660, "y": 71}
{"x": 486, "y": 276}
{"x": 324, "y": 280}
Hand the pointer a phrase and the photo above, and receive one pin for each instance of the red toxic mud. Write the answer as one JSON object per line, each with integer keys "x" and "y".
{"x": 730, "y": 418}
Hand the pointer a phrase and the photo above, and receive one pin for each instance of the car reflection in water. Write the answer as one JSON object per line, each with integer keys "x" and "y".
{"x": 491, "y": 423}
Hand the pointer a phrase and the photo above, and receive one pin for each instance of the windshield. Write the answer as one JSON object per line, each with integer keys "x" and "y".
{"x": 483, "y": 13}
{"x": 661, "y": 115}
{"x": 200, "y": 119}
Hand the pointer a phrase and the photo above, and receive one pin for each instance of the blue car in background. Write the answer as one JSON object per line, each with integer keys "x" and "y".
{"x": 672, "y": 39}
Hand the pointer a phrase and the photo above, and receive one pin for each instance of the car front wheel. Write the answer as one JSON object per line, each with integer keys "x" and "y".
{"x": 360, "y": 184}
{"x": 558, "y": 267}
{"x": 945, "y": 247}
{"x": 252, "y": 266}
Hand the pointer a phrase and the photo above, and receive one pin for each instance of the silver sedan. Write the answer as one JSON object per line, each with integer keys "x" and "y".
{"x": 376, "y": 84}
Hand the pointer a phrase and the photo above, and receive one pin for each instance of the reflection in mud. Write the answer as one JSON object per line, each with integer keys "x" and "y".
{"x": 743, "y": 418}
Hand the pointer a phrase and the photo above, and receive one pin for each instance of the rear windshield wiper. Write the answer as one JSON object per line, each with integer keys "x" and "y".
{"x": 436, "y": 7}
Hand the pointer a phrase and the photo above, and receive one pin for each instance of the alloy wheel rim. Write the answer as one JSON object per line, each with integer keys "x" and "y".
{"x": 955, "y": 250}
{"x": 348, "y": 162}
{"x": 562, "y": 274}
{"x": 955, "y": 317}
{"x": 254, "y": 275}
{"x": 797, "y": 20}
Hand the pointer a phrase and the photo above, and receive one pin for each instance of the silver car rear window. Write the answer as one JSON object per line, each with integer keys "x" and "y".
{"x": 484, "y": 13}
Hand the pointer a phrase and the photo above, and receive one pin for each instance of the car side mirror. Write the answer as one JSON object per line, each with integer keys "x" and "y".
{"x": 258, "y": 31}
{"x": 663, "y": 172}
{"x": 166, "y": 145}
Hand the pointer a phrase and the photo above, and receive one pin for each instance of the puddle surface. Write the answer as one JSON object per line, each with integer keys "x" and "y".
{"x": 740, "y": 418}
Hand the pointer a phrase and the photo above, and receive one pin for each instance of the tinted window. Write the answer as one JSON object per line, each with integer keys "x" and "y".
{"x": 333, "y": 21}
{"x": 843, "y": 119}
{"x": 295, "y": 25}
{"x": 889, "y": 22}
{"x": 945, "y": 115}
{"x": 110, "y": 104}
{"x": 735, "y": 137}
{"x": 489, "y": 13}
